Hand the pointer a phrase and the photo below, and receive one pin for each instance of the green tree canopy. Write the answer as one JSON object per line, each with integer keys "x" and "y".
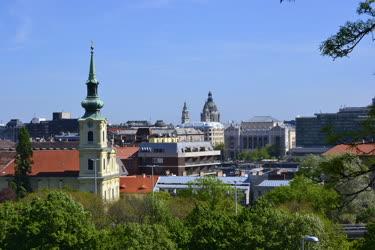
{"x": 56, "y": 222}
{"x": 303, "y": 195}
{"x": 23, "y": 163}
{"x": 137, "y": 236}
{"x": 265, "y": 227}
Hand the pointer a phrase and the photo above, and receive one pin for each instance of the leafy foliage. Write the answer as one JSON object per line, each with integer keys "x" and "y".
{"x": 212, "y": 228}
{"x": 350, "y": 178}
{"x": 138, "y": 236}
{"x": 258, "y": 154}
{"x": 304, "y": 195}
{"x": 265, "y": 227}
{"x": 349, "y": 35}
{"x": 211, "y": 191}
{"x": 54, "y": 222}
{"x": 23, "y": 163}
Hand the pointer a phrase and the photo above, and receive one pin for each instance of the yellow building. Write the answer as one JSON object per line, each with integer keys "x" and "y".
{"x": 163, "y": 139}
{"x": 97, "y": 160}
{"x": 91, "y": 168}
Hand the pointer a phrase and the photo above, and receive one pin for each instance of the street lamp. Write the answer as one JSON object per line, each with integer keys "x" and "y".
{"x": 235, "y": 195}
{"x": 95, "y": 176}
{"x": 308, "y": 238}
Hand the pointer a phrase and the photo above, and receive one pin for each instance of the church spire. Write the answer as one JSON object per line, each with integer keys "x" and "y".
{"x": 185, "y": 115}
{"x": 92, "y": 104}
{"x": 92, "y": 72}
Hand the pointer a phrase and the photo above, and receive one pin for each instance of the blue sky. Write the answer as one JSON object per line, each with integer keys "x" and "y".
{"x": 257, "y": 57}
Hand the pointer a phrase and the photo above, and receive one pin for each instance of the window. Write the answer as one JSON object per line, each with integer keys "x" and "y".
{"x": 90, "y": 136}
{"x": 90, "y": 164}
{"x": 104, "y": 163}
{"x": 103, "y": 137}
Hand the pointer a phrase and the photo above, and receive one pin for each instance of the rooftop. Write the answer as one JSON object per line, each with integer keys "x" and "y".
{"x": 140, "y": 184}
{"x": 274, "y": 183}
{"x": 262, "y": 119}
{"x": 217, "y": 125}
{"x": 50, "y": 163}
{"x": 365, "y": 149}
{"x": 126, "y": 152}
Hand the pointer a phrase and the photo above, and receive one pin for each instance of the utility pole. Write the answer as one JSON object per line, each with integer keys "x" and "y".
{"x": 95, "y": 176}
{"x": 235, "y": 195}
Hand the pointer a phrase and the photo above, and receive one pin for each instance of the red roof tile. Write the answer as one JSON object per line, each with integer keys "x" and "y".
{"x": 126, "y": 152}
{"x": 365, "y": 149}
{"x": 137, "y": 183}
{"x": 6, "y": 157}
{"x": 50, "y": 163}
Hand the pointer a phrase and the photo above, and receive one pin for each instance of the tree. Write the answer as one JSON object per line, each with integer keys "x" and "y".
{"x": 369, "y": 241}
{"x": 211, "y": 191}
{"x": 303, "y": 195}
{"x": 350, "y": 178}
{"x": 23, "y": 163}
{"x": 351, "y": 34}
{"x": 266, "y": 227}
{"x": 212, "y": 228}
{"x": 7, "y": 194}
{"x": 56, "y": 222}
{"x": 137, "y": 236}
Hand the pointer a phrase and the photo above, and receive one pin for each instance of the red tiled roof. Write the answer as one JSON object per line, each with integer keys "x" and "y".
{"x": 137, "y": 183}
{"x": 126, "y": 152}
{"x": 6, "y": 157}
{"x": 365, "y": 149}
{"x": 50, "y": 163}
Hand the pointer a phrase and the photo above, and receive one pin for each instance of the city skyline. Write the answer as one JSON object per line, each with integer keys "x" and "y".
{"x": 154, "y": 65}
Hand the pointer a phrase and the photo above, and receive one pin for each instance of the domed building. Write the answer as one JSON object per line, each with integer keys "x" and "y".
{"x": 210, "y": 112}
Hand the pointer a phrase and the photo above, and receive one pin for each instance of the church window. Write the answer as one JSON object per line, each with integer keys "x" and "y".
{"x": 90, "y": 136}
{"x": 90, "y": 164}
{"x": 104, "y": 163}
{"x": 103, "y": 137}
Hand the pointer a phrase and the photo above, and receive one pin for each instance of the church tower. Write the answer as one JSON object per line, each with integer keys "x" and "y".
{"x": 99, "y": 171}
{"x": 210, "y": 112}
{"x": 185, "y": 115}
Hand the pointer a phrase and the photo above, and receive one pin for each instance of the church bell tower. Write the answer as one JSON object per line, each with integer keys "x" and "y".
{"x": 185, "y": 115}
{"x": 99, "y": 171}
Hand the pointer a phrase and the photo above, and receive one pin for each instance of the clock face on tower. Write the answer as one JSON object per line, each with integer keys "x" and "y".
{"x": 89, "y": 124}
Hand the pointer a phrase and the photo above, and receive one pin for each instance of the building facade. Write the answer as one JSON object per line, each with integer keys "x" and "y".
{"x": 182, "y": 158}
{"x": 98, "y": 163}
{"x": 312, "y": 131}
{"x": 213, "y": 131}
{"x": 259, "y": 132}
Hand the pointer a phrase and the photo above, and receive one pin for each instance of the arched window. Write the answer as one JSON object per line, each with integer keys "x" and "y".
{"x": 90, "y": 136}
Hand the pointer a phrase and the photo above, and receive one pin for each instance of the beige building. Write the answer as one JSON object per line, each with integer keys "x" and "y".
{"x": 213, "y": 131}
{"x": 259, "y": 132}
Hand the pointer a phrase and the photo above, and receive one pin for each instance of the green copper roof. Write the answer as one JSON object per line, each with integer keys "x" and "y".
{"x": 92, "y": 71}
{"x": 92, "y": 104}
